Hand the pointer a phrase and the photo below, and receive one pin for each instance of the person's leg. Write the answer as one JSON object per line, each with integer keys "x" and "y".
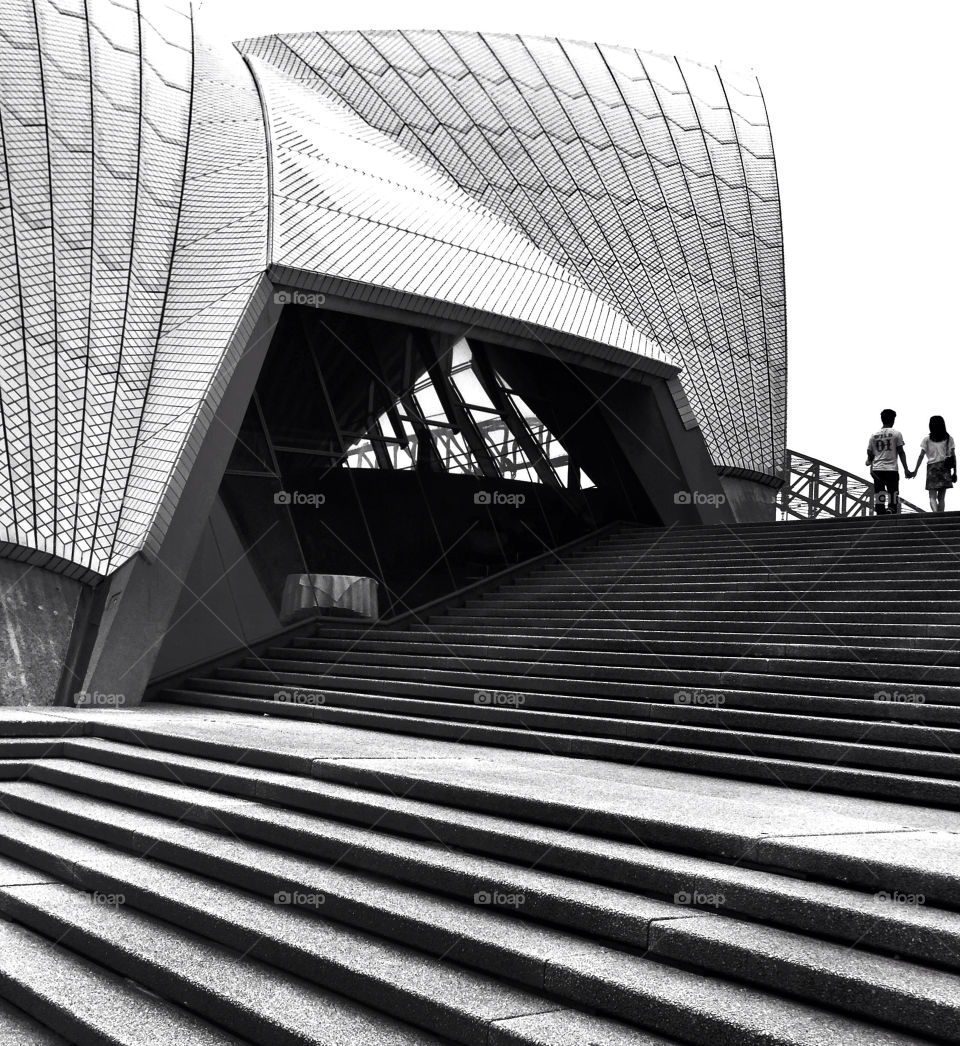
{"x": 933, "y": 500}
{"x": 879, "y": 494}
{"x": 894, "y": 482}
{"x": 885, "y": 487}
{"x": 941, "y": 499}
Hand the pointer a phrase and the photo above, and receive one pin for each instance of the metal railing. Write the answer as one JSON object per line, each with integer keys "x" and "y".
{"x": 503, "y": 445}
{"x": 814, "y": 489}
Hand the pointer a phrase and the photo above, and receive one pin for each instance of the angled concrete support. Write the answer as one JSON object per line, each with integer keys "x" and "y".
{"x": 670, "y": 459}
{"x": 625, "y": 429}
{"x": 140, "y": 598}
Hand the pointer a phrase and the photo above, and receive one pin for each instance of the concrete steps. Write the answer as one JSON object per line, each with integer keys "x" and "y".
{"x": 880, "y": 854}
{"x": 628, "y": 653}
{"x": 795, "y": 618}
{"x": 903, "y": 723}
{"x": 219, "y": 983}
{"x": 694, "y": 786}
{"x": 379, "y": 917}
{"x": 866, "y": 769}
{"x": 114, "y": 771}
{"x": 88, "y": 1004}
{"x": 844, "y": 678}
{"x": 628, "y": 650}
{"x": 935, "y": 683}
{"x": 704, "y": 639}
{"x": 19, "y": 1029}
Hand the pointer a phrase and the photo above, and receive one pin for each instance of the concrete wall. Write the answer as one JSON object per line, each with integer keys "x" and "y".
{"x": 38, "y": 609}
{"x": 750, "y": 501}
{"x": 222, "y": 606}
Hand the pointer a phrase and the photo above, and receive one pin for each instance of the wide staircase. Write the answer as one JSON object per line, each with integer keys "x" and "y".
{"x": 824, "y": 655}
{"x": 675, "y": 786}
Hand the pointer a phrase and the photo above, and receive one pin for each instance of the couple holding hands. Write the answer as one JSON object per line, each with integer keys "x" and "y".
{"x": 886, "y": 446}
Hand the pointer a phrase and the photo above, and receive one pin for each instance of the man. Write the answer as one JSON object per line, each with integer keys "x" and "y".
{"x": 883, "y": 449}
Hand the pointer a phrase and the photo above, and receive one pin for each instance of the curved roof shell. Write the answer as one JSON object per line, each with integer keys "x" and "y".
{"x": 649, "y": 179}
{"x": 153, "y": 183}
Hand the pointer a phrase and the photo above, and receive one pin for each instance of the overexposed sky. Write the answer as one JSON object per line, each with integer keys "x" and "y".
{"x": 863, "y": 102}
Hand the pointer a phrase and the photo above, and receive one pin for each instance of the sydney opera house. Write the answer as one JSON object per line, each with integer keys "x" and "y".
{"x": 400, "y": 644}
{"x": 407, "y": 305}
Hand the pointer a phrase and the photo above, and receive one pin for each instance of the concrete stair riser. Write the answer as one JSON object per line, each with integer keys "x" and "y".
{"x": 606, "y": 684}
{"x": 151, "y": 747}
{"x": 541, "y": 959}
{"x": 858, "y": 994}
{"x": 828, "y": 911}
{"x": 903, "y": 722}
{"x": 875, "y": 662}
{"x": 770, "y": 769}
{"x": 931, "y": 760}
{"x": 937, "y": 624}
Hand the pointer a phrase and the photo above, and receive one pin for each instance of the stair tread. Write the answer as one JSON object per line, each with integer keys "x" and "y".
{"x": 674, "y": 998}
{"x": 781, "y": 768}
{"x": 444, "y": 998}
{"x": 85, "y": 1002}
{"x": 418, "y": 861}
{"x": 704, "y": 678}
{"x": 853, "y": 914}
{"x": 208, "y": 977}
{"x": 548, "y": 895}
{"x": 636, "y": 720}
{"x": 19, "y": 1029}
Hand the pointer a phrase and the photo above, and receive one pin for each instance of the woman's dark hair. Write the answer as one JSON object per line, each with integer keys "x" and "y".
{"x": 938, "y": 429}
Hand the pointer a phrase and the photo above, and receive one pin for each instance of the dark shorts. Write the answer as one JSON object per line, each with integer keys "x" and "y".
{"x": 888, "y": 484}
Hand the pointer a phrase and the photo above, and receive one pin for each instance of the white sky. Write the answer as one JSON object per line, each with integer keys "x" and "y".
{"x": 863, "y": 103}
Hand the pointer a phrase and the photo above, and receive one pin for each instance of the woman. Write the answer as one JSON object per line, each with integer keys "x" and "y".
{"x": 941, "y": 454}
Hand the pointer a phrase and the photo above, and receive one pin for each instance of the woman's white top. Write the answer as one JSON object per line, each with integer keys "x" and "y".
{"x": 937, "y": 451}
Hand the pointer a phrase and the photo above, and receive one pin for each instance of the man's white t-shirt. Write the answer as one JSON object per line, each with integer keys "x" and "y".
{"x": 885, "y": 443}
{"x": 937, "y": 451}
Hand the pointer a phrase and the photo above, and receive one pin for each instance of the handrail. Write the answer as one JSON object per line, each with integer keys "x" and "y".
{"x": 815, "y": 489}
